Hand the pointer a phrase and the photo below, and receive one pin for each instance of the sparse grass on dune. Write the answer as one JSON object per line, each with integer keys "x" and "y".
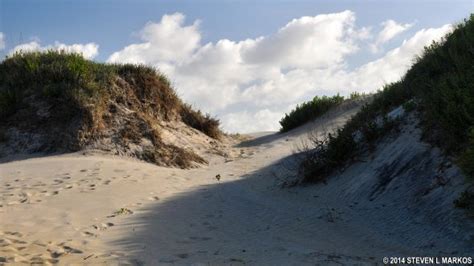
{"x": 204, "y": 123}
{"x": 440, "y": 85}
{"x": 76, "y": 101}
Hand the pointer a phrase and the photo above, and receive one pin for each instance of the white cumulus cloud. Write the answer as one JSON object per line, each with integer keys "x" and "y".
{"x": 89, "y": 50}
{"x": 167, "y": 41}
{"x": 390, "y": 29}
{"x": 251, "y": 83}
{"x": 396, "y": 62}
{"x": 319, "y": 41}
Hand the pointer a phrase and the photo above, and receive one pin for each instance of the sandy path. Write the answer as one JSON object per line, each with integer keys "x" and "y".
{"x": 90, "y": 209}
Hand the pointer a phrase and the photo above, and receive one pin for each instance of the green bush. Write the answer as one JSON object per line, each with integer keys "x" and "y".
{"x": 309, "y": 111}
{"x": 466, "y": 159}
{"x": 465, "y": 201}
{"x": 409, "y": 106}
{"x": 356, "y": 95}
{"x": 337, "y": 149}
{"x": 443, "y": 79}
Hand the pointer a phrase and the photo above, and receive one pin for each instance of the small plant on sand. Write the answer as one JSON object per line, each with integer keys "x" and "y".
{"x": 123, "y": 211}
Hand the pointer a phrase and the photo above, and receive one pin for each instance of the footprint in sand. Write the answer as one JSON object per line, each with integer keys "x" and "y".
{"x": 12, "y": 233}
{"x": 182, "y": 255}
{"x": 103, "y": 226}
{"x": 200, "y": 238}
{"x": 89, "y": 234}
{"x": 41, "y": 259}
{"x": 40, "y": 184}
{"x": 24, "y": 200}
{"x": 15, "y": 250}
{"x": 154, "y": 198}
{"x": 71, "y": 250}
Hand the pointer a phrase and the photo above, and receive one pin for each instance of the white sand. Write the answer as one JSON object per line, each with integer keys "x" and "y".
{"x": 63, "y": 209}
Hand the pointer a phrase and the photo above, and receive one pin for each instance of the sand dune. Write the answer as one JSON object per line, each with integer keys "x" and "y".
{"x": 97, "y": 209}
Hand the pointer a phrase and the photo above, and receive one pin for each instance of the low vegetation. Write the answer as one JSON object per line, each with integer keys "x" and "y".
{"x": 466, "y": 201}
{"x": 311, "y": 110}
{"x": 440, "y": 85}
{"x": 65, "y": 103}
{"x": 205, "y": 123}
{"x": 466, "y": 159}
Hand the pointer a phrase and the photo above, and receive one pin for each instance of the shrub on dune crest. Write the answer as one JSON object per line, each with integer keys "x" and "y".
{"x": 308, "y": 111}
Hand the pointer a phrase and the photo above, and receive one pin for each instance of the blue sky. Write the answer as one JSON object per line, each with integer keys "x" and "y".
{"x": 113, "y": 25}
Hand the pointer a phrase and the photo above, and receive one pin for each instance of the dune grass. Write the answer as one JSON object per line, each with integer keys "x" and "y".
{"x": 61, "y": 102}
{"x": 61, "y": 77}
{"x": 440, "y": 85}
{"x": 53, "y": 75}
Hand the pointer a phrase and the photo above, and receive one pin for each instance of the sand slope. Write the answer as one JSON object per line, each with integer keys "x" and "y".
{"x": 94, "y": 209}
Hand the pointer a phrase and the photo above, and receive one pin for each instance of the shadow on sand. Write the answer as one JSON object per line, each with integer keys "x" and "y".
{"x": 250, "y": 220}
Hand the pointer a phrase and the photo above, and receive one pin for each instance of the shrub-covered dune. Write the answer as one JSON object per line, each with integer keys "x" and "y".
{"x": 60, "y": 102}
{"x": 439, "y": 86}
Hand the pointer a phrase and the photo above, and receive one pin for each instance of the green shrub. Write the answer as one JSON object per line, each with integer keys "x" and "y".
{"x": 466, "y": 159}
{"x": 465, "y": 201}
{"x": 8, "y": 101}
{"x": 3, "y": 136}
{"x": 309, "y": 111}
{"x": 356, "y": 95}
{"x": 337, "y": 149}
{"x": 409, "y": 106}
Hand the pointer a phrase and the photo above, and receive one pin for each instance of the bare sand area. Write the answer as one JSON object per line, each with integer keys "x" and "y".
{"x": 95, "y": 209}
